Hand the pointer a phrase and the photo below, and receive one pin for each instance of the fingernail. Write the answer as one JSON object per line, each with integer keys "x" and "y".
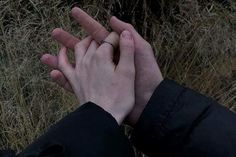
{"x": 127, "y": 35}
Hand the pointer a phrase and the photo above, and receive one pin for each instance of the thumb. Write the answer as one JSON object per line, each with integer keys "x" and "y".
{"x": 119, "y": 26}
{"x": 126, "y": 51}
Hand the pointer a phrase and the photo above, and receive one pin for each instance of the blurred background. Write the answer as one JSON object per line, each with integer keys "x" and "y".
{"x": 194, "y": 43}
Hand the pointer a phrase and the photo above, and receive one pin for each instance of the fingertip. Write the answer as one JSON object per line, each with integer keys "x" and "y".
{"x": 58, "y": 77}
{"x": 63, "y": 49}
{"x": 45, "y": 58}
{"x": 112, "y": 19}
{"x": 126, "y": 46}
{"x": 56, "y": 32}
{"x": 126, "y": 35}
{"x": 126, "y": 40}
{"x": 117, "y": 25}
{"x": 75, "y": 12}
{"x": 49, "y": 60}
{"x": 55, "y": 74}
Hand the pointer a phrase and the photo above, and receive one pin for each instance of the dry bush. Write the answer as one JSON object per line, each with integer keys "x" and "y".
{"x": 195, "y": 45}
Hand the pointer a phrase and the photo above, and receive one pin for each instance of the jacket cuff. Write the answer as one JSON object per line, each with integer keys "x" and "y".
{"x": 89, "y": 126}
{"x": 160, "y": 106}
{"x": 167, "y": 118}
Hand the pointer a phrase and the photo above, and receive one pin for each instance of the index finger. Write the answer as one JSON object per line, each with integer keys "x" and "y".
{"x": 94, "y": 28}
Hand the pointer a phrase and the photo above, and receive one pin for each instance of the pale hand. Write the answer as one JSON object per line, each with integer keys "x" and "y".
{"x": 96, "y": 79}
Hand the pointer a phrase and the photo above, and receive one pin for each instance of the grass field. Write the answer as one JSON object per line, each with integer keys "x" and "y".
{"x": 194, "y": 41}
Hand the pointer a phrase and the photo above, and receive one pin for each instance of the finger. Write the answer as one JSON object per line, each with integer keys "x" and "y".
{"x": 95, "y": 29}
{"x": 64, "y": 64}
{"x": 119, "y": 26}
{"x": 65, "y": 38}
{"x": 61, "y": 80}
{"x": 50, "y": 60}
{"x": 91, "y": 51}
{"x": 108, "y": 46}
{"x": 81, "y": 48}
{"x": 126, "y": 52}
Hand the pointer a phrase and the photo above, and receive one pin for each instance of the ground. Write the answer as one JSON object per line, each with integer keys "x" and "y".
{"x": 194, "y": 43}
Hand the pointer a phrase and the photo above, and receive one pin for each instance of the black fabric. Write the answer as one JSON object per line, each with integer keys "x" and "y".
{"x": 7, "y": 153}
{"x": 88, "y": 132}
{"x": 179, "y": 122}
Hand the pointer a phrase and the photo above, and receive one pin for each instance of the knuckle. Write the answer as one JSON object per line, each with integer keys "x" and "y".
{"x": 129, "y": 26}
{"x": 86, "y": 63}
{"x": 60, "y": 65}
{"x": 148, "y": 45}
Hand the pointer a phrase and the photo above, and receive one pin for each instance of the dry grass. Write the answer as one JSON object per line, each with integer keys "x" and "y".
{"x": 195, "y": 44}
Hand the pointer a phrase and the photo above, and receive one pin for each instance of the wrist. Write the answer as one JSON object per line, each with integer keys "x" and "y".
{"x": 133, "y": 117}
{"x": 118, "y": 117}
{"x": 118, "y": 112}
{"x": 141, "y": 103}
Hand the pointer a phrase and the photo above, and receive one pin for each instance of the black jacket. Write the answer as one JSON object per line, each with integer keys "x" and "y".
{"x": 177, "y": 122}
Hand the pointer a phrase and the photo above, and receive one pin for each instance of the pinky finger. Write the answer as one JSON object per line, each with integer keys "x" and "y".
{"x": 61, "y": 80}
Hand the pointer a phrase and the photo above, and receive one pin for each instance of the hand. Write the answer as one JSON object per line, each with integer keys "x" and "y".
{"x": 148, "y": 75}
{"x": 95, "y": 78}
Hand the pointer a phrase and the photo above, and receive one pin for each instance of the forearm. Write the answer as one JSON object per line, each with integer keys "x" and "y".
{"x": 180, "y": 122}
{"x": 89, "y": 131}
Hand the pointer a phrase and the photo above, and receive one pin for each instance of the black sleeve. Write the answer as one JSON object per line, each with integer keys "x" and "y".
{"x": 88, "y": 132}
{"x": 179, "y": 122}
{"x": 7, "y": 153}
